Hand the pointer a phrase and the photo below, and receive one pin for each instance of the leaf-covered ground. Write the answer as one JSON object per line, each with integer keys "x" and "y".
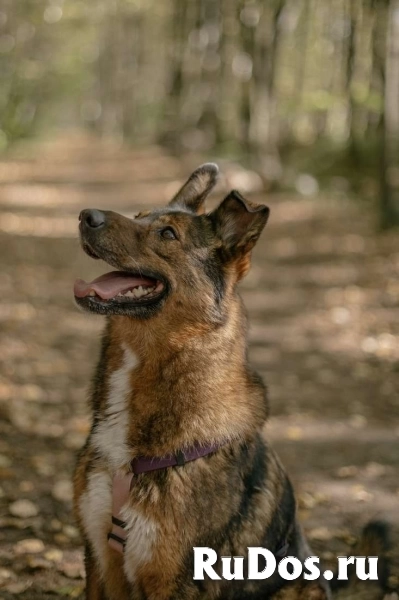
{"x": 323, "y": 299}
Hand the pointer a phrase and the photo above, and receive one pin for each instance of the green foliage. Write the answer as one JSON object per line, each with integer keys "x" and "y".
{"x": 111, "y": 65}
{"x": 245, "y": 77}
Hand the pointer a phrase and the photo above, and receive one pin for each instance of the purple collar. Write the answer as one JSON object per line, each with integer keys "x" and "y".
{"x": 122, "y": 484}
{"x": 143, "y": 464}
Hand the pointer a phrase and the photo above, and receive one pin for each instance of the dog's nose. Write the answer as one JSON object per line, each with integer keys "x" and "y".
{"x": 92, "y": 217}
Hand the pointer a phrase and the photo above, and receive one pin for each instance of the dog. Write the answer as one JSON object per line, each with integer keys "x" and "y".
{"x": 177, "y": 456}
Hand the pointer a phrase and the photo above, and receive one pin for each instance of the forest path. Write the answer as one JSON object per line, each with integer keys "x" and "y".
{"x": 323, "y": 299}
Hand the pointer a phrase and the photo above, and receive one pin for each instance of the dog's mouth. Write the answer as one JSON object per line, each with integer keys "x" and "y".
{"x": 121, "y": 287}
{"x": 139, "y": 293}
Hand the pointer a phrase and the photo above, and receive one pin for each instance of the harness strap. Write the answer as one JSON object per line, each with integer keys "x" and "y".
{"x": 122, "y": 484}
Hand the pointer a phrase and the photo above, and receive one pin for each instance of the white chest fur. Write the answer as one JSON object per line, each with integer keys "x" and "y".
{"x": 110, "y": 437}
{"x": 96, "y": 512}
{"x": 95, "y": 509}
{"x": 141, "y": 536}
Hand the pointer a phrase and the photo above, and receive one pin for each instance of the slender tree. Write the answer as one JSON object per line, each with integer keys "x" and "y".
{"x": 390, "y": 142}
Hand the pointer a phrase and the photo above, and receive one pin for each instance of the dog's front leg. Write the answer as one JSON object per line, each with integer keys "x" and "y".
{"x": 94, "y": 585}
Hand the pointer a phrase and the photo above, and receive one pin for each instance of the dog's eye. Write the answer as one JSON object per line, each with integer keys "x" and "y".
{"x": 168, "y": 233}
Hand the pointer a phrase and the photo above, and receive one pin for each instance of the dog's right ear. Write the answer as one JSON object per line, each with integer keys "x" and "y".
{"x": 197, "y": 187}
{"x": 238, "y": 224}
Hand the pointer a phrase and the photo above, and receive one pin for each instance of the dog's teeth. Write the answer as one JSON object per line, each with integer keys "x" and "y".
{"x": 136, "y": 292}
{"x": 92, "y": 293}
{"x": 142, "y": 291}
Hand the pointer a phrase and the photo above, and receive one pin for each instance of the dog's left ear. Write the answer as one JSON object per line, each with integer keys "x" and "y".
{"x": 197, "y": 187}
{"x": 239, "y": 224}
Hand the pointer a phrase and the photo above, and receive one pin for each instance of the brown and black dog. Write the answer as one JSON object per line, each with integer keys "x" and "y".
{"x": 173, "y": 374}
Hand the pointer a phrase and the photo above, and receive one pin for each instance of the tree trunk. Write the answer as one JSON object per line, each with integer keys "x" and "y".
{"x": 390, "y": 125}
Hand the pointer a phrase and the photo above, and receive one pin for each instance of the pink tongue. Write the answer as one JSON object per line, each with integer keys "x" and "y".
{"x": 110, "y": 285}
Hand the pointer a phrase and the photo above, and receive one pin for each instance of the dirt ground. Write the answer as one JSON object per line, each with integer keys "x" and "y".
{"x": 323, "y": 300}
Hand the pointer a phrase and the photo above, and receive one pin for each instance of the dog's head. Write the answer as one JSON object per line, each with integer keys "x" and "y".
{"x": 175, "y": 257}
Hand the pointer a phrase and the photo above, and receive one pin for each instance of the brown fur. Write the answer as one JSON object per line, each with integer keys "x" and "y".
{"x": 191, "y": 384}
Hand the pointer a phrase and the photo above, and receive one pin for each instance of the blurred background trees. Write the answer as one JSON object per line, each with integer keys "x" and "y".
{"x": 312, "y": 84}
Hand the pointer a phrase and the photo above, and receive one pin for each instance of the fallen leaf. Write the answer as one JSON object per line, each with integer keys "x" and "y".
{"x": 54, "y": 555}
{"x": 320, "y": 533}
{"x": 29, "y": 546}
{"x": 23, "y": 509}
{"x": 63, "y": 490}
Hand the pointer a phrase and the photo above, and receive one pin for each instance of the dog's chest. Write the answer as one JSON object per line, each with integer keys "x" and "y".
{"x": 110, "y": 439}
{"x": 96, "y": 513}
{"x": 110, "y": 435}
